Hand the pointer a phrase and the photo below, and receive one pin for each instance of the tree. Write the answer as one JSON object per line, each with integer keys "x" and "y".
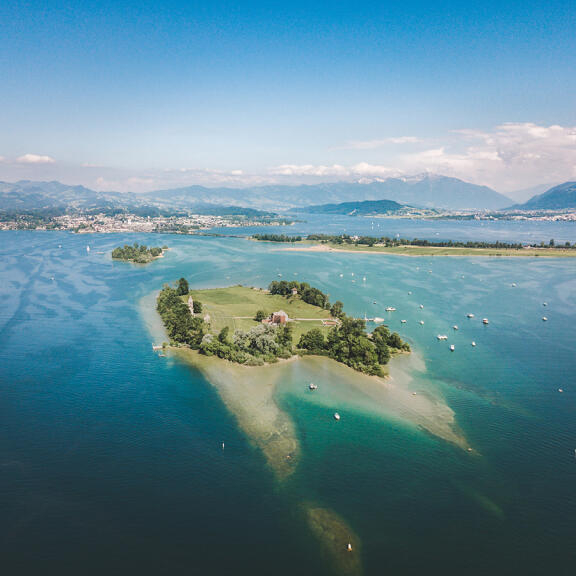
{"x": 284, "y": 336}
{"x": 197, "y": 306}
{"x": 313, "y": 340}
{"x": 260, "y": 315}
{"x": 183, "y": 287}
{"x": 337, "y": 309}
{"x": 223, "y": 336}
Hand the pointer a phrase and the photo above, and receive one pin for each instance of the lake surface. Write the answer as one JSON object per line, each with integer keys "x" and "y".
{"x": 111, "y": 458}
{"x": 433, "y": 230}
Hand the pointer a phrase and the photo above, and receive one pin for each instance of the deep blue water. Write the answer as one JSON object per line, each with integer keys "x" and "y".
{"x": 110, "y": 458}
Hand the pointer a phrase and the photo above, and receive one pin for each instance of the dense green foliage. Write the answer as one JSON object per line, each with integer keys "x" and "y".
{"x": 138, "y": 253}
{"x": 350, "y": 344}
{"x": 181, "y": 326}
{"x": 276, "y": 238}
{"x": 347, "y": 342}
{"x": 306, "y": 292}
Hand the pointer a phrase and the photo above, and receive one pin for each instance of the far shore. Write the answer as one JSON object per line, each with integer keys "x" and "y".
{"x": 409, "y": 250}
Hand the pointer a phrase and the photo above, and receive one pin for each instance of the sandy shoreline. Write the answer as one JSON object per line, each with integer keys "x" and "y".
{"x": 439, "y": 251}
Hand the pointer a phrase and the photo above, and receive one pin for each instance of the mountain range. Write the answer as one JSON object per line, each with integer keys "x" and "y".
{"x": 427, "y": 191}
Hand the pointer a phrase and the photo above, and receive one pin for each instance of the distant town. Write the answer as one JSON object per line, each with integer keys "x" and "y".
{"x": 102, "y": 223}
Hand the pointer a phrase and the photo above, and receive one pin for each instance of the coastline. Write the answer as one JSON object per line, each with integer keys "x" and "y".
{"x": 437, "y": 251}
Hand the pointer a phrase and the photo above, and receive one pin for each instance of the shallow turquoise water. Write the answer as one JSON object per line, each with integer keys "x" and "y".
{"x": 111, "y": 457}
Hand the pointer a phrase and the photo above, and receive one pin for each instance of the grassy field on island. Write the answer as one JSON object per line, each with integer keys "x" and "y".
{"x": 409, "y": 250}
{"x": 236, "y": 307}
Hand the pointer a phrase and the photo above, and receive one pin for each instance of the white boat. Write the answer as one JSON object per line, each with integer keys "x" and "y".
{"x": 451, "y": 347}
{"x": 544, "y": 319}
{"x": 336, "y": 416}
{"x": 544, "y": 303}
{"x": 513, "y": 284}
{"x": 442, "y": 337}
{"x": 409, "y": 293}
{"x": 484, "y": 320}
{"x": 312, "y": 386}
{"x": 87, "y": 248}
{"x": 454, "y": 327}
{"x": 390, "y": 309}
{"x": 469, "y": 315}
{"x": 422, "y": 322}
{"x": 421, "y": 306}
{"x": 378, "y": 320}
{"x": 403, "y": 321}
{"x": 473, "y": 343}
{"x": 349, "y": 547}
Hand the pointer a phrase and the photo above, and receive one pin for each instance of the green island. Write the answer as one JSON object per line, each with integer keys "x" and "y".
{"x": 138, "y": 253}
{"x": 253, "y": 327}
{"x": 418, "y": 247}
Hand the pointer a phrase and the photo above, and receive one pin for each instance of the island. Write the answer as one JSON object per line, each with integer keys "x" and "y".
{"x": 138, "y": 253}
{"x": 253, "y": 327}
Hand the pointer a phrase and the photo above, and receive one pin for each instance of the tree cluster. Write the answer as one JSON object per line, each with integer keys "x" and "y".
{"x": 263, "y": 343}
{"x": 307, "y": 293}
{"x": 276, "y": 238}
{"x": 181, "y": 326}
{"x": 350, "y": 344}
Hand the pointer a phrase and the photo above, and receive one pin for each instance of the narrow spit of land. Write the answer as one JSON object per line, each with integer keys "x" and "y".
{"x": 409, "y": 250}
{"x": 416, "y": 247}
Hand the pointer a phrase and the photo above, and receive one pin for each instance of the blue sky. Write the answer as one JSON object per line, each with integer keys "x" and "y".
{"x": 139, "y": 95}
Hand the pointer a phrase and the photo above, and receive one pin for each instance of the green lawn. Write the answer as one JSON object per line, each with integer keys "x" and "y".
{"x": 236, "y": 307}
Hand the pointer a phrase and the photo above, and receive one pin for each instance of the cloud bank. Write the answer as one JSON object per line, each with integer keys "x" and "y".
{"x": 509, "y": 157}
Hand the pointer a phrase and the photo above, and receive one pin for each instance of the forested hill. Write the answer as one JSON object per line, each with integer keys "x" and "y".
{"x": 366, "y": 208}
{"x": 558, "y": 198}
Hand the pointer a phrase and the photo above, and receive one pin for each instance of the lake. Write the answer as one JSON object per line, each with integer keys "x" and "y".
{"x": 111, "y": 456}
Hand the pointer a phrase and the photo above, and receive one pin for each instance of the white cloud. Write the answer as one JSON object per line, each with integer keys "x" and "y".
{"x": 379, "y": 143}
{"x": 363, "y": 169}
{"x": 512, "y": 156}
{"x": 34, "y": 159}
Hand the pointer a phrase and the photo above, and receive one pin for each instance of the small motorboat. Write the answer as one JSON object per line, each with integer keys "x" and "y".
{"x": 312, "y": 386}
{"x": 454, "y": 327}
{"x": 390, "y": 309}
{"x": 469, "y": 315}
{"x": 349, "y": 547}
{"x": 442, "y": 337}
{"x": 485, "y": 321}
{"x": 544, "y": 319}
{"x": 473, "y": 343}
{"x": 452, "y": 348}
{"x": 403, "y": 321}
{"x": 336, "y": 416}
{"x": 422, "y": 322}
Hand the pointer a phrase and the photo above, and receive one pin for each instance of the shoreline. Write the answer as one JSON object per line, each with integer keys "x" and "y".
{"x": 408, "y": 250}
